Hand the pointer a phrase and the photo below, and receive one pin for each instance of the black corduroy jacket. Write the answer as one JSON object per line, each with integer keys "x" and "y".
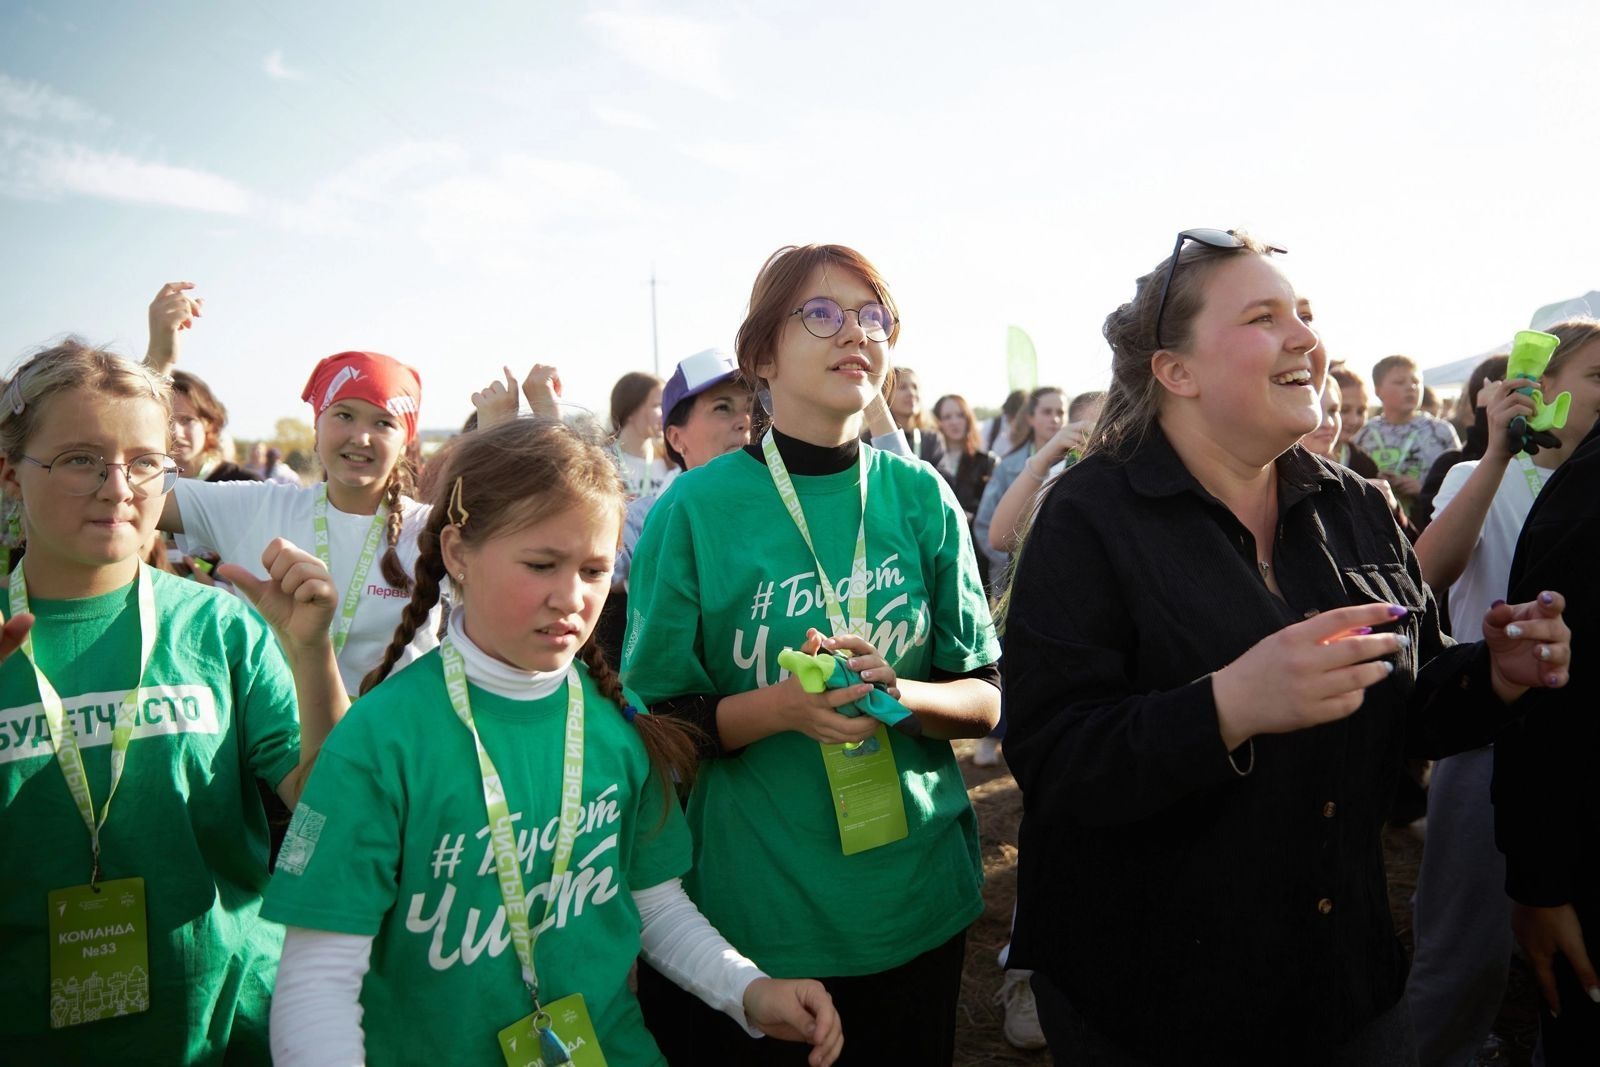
{"x": 1192, "y": 912}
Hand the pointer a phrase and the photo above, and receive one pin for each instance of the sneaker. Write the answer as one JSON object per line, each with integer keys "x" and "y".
{"x": 988, "y": 753}
{"x": 1022, "y": 1014}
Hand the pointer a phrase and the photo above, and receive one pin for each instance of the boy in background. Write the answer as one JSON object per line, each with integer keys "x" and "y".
{"x": 1402, "y": 440}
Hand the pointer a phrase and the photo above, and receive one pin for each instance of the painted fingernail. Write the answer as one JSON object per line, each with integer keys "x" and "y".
{"x": 1550, "y": 598}
{"x": 1396, "y": 611}
{"x": 1364, "y": 630}
{"x": 1544, "y": 651}
{"x": 1553, "y": 681}
{"x": 1497, "y": 603}
{"x": 1388, "y": 666}
{"x": 1513, "y": 631}
{"x": 1594, "y": 993}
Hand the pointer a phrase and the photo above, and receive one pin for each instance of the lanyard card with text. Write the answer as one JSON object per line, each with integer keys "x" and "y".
{"x": 863, "y": 779}
{"x": 523, "y": 1043}
{"x": 99, "y": 952}
{"x": 865, "y": 784}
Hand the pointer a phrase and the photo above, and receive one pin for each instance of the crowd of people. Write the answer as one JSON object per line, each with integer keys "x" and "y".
{"x": 628, "y": 739}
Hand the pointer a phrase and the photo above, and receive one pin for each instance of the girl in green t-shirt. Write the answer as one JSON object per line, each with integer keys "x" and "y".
{"x": 860, "y": 864}
{"x": 491, "y": 839}
{"x": 135, "y": 710}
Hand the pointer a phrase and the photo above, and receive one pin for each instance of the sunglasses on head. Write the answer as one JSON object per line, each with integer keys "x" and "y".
{"x": 1205, "y": 236}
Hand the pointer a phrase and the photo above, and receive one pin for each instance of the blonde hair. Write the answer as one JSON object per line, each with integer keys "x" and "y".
{"x": 72, "y": 364}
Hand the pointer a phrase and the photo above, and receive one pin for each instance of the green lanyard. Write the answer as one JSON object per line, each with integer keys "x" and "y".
{"x": 856, "y": 620}
{"x": 502, "y": 832}
{"x": 1531, "y": 473}
{"x": 64, "y": 736}
{"x": 358, "y": 578}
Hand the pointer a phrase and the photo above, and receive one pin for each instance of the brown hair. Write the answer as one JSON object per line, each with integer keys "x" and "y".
{"x": 630, "y": 392}
{"x": 516, "y": 474}
{"x": 776, "y": 293}
{"x": 206, "y": 406}
{"x": 1083, "y": 402}
{"x": 1348, "y": 379}
{"x": 1382, "y": 368}
{"x": 1493, "y": 368}
{"x": 1134, "y": 399}
{"x": 973, "y": 443}
{"x": 1574, "y": 334}
{"x": 402, "y": 483}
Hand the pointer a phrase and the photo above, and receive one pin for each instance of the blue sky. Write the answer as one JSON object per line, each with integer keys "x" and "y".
{"x": 491, "y": 183}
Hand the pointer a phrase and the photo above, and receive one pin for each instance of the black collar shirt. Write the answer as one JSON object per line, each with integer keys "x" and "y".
{"x": 1198, "y": 905}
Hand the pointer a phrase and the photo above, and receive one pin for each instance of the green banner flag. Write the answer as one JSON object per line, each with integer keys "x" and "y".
{"x": 1022, "y": 362}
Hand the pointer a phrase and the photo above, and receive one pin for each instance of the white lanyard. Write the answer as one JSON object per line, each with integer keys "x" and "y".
{"x": 63, "y": 736}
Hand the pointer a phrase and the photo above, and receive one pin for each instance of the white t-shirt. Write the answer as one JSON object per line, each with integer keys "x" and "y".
{"x": 237, "y": 520}
{"x": 640, "y": 478}
{"x": 1489, "y": 570}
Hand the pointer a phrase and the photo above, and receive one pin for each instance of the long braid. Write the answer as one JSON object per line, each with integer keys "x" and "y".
{"x": 670, "y": 742}
{"x": 399, "y": 486}
{"x": 424, "y": 595}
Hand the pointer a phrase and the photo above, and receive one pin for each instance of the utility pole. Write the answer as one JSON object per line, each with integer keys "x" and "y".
{"x": 655, "y": 338}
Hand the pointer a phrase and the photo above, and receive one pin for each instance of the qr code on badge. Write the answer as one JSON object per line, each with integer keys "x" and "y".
{"x": 300, "y": 841}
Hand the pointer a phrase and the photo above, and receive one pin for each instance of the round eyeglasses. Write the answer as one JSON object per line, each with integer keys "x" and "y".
{"x": 79, "y": 473}
{"x": 823, "y": 317}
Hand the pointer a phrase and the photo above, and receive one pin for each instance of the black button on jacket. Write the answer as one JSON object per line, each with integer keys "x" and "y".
{"x": 1191, "y": 912}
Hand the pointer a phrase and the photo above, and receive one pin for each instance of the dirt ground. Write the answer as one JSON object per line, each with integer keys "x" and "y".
{"x": 979, "y": 1041}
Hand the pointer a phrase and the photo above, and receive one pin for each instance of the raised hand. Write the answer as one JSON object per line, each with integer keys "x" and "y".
{"x": 497, "y": 401}
{"x": 297, "y": 600}
{"x": 542, "y": 387}
{"x": 172, "y": 311}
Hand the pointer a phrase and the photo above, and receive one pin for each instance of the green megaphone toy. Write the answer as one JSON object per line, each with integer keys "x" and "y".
{"x": 1530, "y": 355}
{"x": 827, "y": 670}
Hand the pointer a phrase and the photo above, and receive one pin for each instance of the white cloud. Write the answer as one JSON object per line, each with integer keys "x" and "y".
{"x": 43, "y": 168}
{"x": 621, "y": 118}
{"x": 274, "y": 67}
{"x": 674, "y": 47}
{"x": 457, "y": 202}
{"x": 745, "y": 159}
{"x": 34, "y": 102}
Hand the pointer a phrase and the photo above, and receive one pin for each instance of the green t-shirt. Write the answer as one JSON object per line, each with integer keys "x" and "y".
{"x": 217, "y": 711}
{"x": 391, "y": 840}
{"x": 722, "y": 582}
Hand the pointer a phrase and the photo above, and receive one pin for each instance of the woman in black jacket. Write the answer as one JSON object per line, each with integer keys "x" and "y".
{"x": 1219, "y": 648}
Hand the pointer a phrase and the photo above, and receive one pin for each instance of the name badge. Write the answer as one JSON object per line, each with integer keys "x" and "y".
{"x": 524, "y": 1044}
{"x": 99, "y": 952}
{"x": 867, "y": 799}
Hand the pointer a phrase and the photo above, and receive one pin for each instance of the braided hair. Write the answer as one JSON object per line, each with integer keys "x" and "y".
{"x": 513, "y": 475}
{"x": 401, "y": 484}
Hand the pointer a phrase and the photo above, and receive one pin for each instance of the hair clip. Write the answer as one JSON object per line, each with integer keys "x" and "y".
{"x": 629, "y": 711}
{"x": 456, "y": 511}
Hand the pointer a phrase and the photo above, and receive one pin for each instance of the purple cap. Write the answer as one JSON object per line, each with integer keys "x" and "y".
{"x": 694, "y": 376}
